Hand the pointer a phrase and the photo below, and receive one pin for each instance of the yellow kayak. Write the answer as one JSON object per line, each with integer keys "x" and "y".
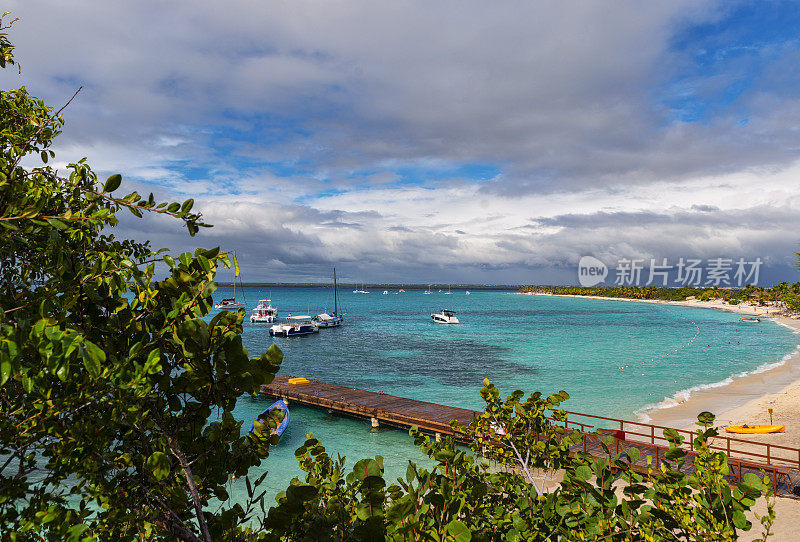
{"x": 755, "y": 428}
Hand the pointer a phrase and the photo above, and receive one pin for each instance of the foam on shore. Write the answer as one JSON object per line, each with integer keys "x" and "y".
{"x": 683, "y": 396}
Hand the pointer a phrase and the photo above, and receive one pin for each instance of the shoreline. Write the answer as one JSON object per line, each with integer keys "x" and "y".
{"x": 742, "y": 398}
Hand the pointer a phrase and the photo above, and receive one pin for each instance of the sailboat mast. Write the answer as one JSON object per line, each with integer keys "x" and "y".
{"x": 335, "y": 301}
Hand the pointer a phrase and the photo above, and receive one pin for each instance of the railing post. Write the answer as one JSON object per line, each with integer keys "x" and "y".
{"x": 653, "y": 436}
{"x": 769, "y": 462}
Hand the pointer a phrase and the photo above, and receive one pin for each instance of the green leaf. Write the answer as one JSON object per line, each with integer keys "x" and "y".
{"x": 583, "y": 473}
{"x": 158, "y": 465}
{"x": 459, "y": 531}
{"x": 93, "y": 357}
{"x": 112, "y": 183}
{"x": 705, "y": 419}
{"x": 365, "y": 468}
{"x": 235, "y": 266}
{"x": 56, "y": 223}
{"x": 187, "y": 205}
{"x": 5, "y": 369}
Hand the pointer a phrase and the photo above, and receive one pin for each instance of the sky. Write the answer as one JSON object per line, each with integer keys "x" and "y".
{"x": 436, "y": 142}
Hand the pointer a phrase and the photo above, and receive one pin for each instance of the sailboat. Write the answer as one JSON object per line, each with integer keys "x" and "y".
{"x": 361, "y": 291}
{"x": 331, "y": 320}
{"x": 448, "y": 292}
{"x": 428, "y": 291}
{"x": 230, "y": 303}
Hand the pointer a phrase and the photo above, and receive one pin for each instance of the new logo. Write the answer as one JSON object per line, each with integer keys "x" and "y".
{"x": 591, "y": 271}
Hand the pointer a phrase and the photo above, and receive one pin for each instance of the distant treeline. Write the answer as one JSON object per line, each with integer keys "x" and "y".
{"x": 346, "y": 285}
{"x": 784, "y": 293}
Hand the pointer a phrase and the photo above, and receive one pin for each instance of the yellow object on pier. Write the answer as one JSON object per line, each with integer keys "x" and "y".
{"x": 755, "y": 428}
{"x": 299, "y": 380}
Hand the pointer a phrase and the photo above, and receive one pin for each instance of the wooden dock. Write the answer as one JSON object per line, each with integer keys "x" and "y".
{"x": 781, "y": 463}
{"x": 379, "y": 408}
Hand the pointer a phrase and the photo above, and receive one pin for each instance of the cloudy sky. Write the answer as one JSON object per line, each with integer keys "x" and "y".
{"x": 491, "y": 142}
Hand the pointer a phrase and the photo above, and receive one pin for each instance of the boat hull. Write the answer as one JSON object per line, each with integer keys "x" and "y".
{"x": 293, "y": 331}
{"x": 281, "y": 406}
{"x": 442, "y": 320}
{"x": 755, "y": 429}
{"x": 228, "y": 306}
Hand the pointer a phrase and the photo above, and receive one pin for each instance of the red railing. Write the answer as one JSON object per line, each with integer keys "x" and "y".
{"x": 770, "y": 454}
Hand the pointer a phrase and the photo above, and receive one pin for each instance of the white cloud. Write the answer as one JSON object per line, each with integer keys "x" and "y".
{"x": 291, "y": 124}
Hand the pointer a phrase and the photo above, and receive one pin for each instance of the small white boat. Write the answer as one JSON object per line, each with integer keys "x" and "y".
{"x": 294, "y": 326}
{"x": 445, "y": 316}
{"x": 386, "y": 292}
{"x": 750, "y": 319}
{"x": 467, "y": 292}
{"x": 264, "y": 312}
{"x": 361, "y": 291}
{"x": 401, "y": 291}
{"x": 448, "y": 292}
{"x": 428, "y": 291}
{"x": 228, "y": 304}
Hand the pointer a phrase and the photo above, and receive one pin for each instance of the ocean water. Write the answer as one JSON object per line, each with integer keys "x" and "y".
{"x": 614, "y": 359}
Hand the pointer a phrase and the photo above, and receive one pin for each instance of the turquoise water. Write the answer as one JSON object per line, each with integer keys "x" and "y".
{"x": 613, "y": 358}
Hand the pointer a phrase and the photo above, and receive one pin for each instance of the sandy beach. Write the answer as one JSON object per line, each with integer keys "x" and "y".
{"x": 744, "y": 400}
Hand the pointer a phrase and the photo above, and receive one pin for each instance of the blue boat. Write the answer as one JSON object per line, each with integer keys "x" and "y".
{"x": 280, "y": 405}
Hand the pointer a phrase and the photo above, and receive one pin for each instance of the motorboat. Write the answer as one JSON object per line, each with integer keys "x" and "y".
{"x": 401, "y": 291}
{"x": 331, "y": 320}
{"x": 284, "y": 423}
{"x": 386, "y": 292}
{"x": 293, "y": 326}
{"x": 750, "y": 319}
{"x": 466, "y": 293}
{"x": 445, "y": 316}
{"x": 264, "y": 312}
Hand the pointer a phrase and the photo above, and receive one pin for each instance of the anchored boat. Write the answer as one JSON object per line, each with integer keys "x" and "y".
{"x": 264, "y": 312}
{"x": 294, "y": 326}
{"x": 445, "y": 316}
{"x": 335, "y": 319}
{"x": 230, "y": 303}
{"x": 280, "y": 406}
{"x": 750, "y": 319}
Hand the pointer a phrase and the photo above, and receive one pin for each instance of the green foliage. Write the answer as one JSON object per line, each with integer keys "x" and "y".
{"x": 464, "y": 497}
{"x": 117, "y": 391}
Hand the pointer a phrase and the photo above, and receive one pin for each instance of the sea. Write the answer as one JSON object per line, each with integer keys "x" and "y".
{"x": 613, "y": 358}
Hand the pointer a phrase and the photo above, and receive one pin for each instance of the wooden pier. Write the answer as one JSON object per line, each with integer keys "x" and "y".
{"x": 379, "y": 408}
{"x": 781, "y": 463}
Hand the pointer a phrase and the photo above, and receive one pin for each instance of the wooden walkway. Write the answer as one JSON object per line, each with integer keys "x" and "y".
{"x": 782, "y": 464}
